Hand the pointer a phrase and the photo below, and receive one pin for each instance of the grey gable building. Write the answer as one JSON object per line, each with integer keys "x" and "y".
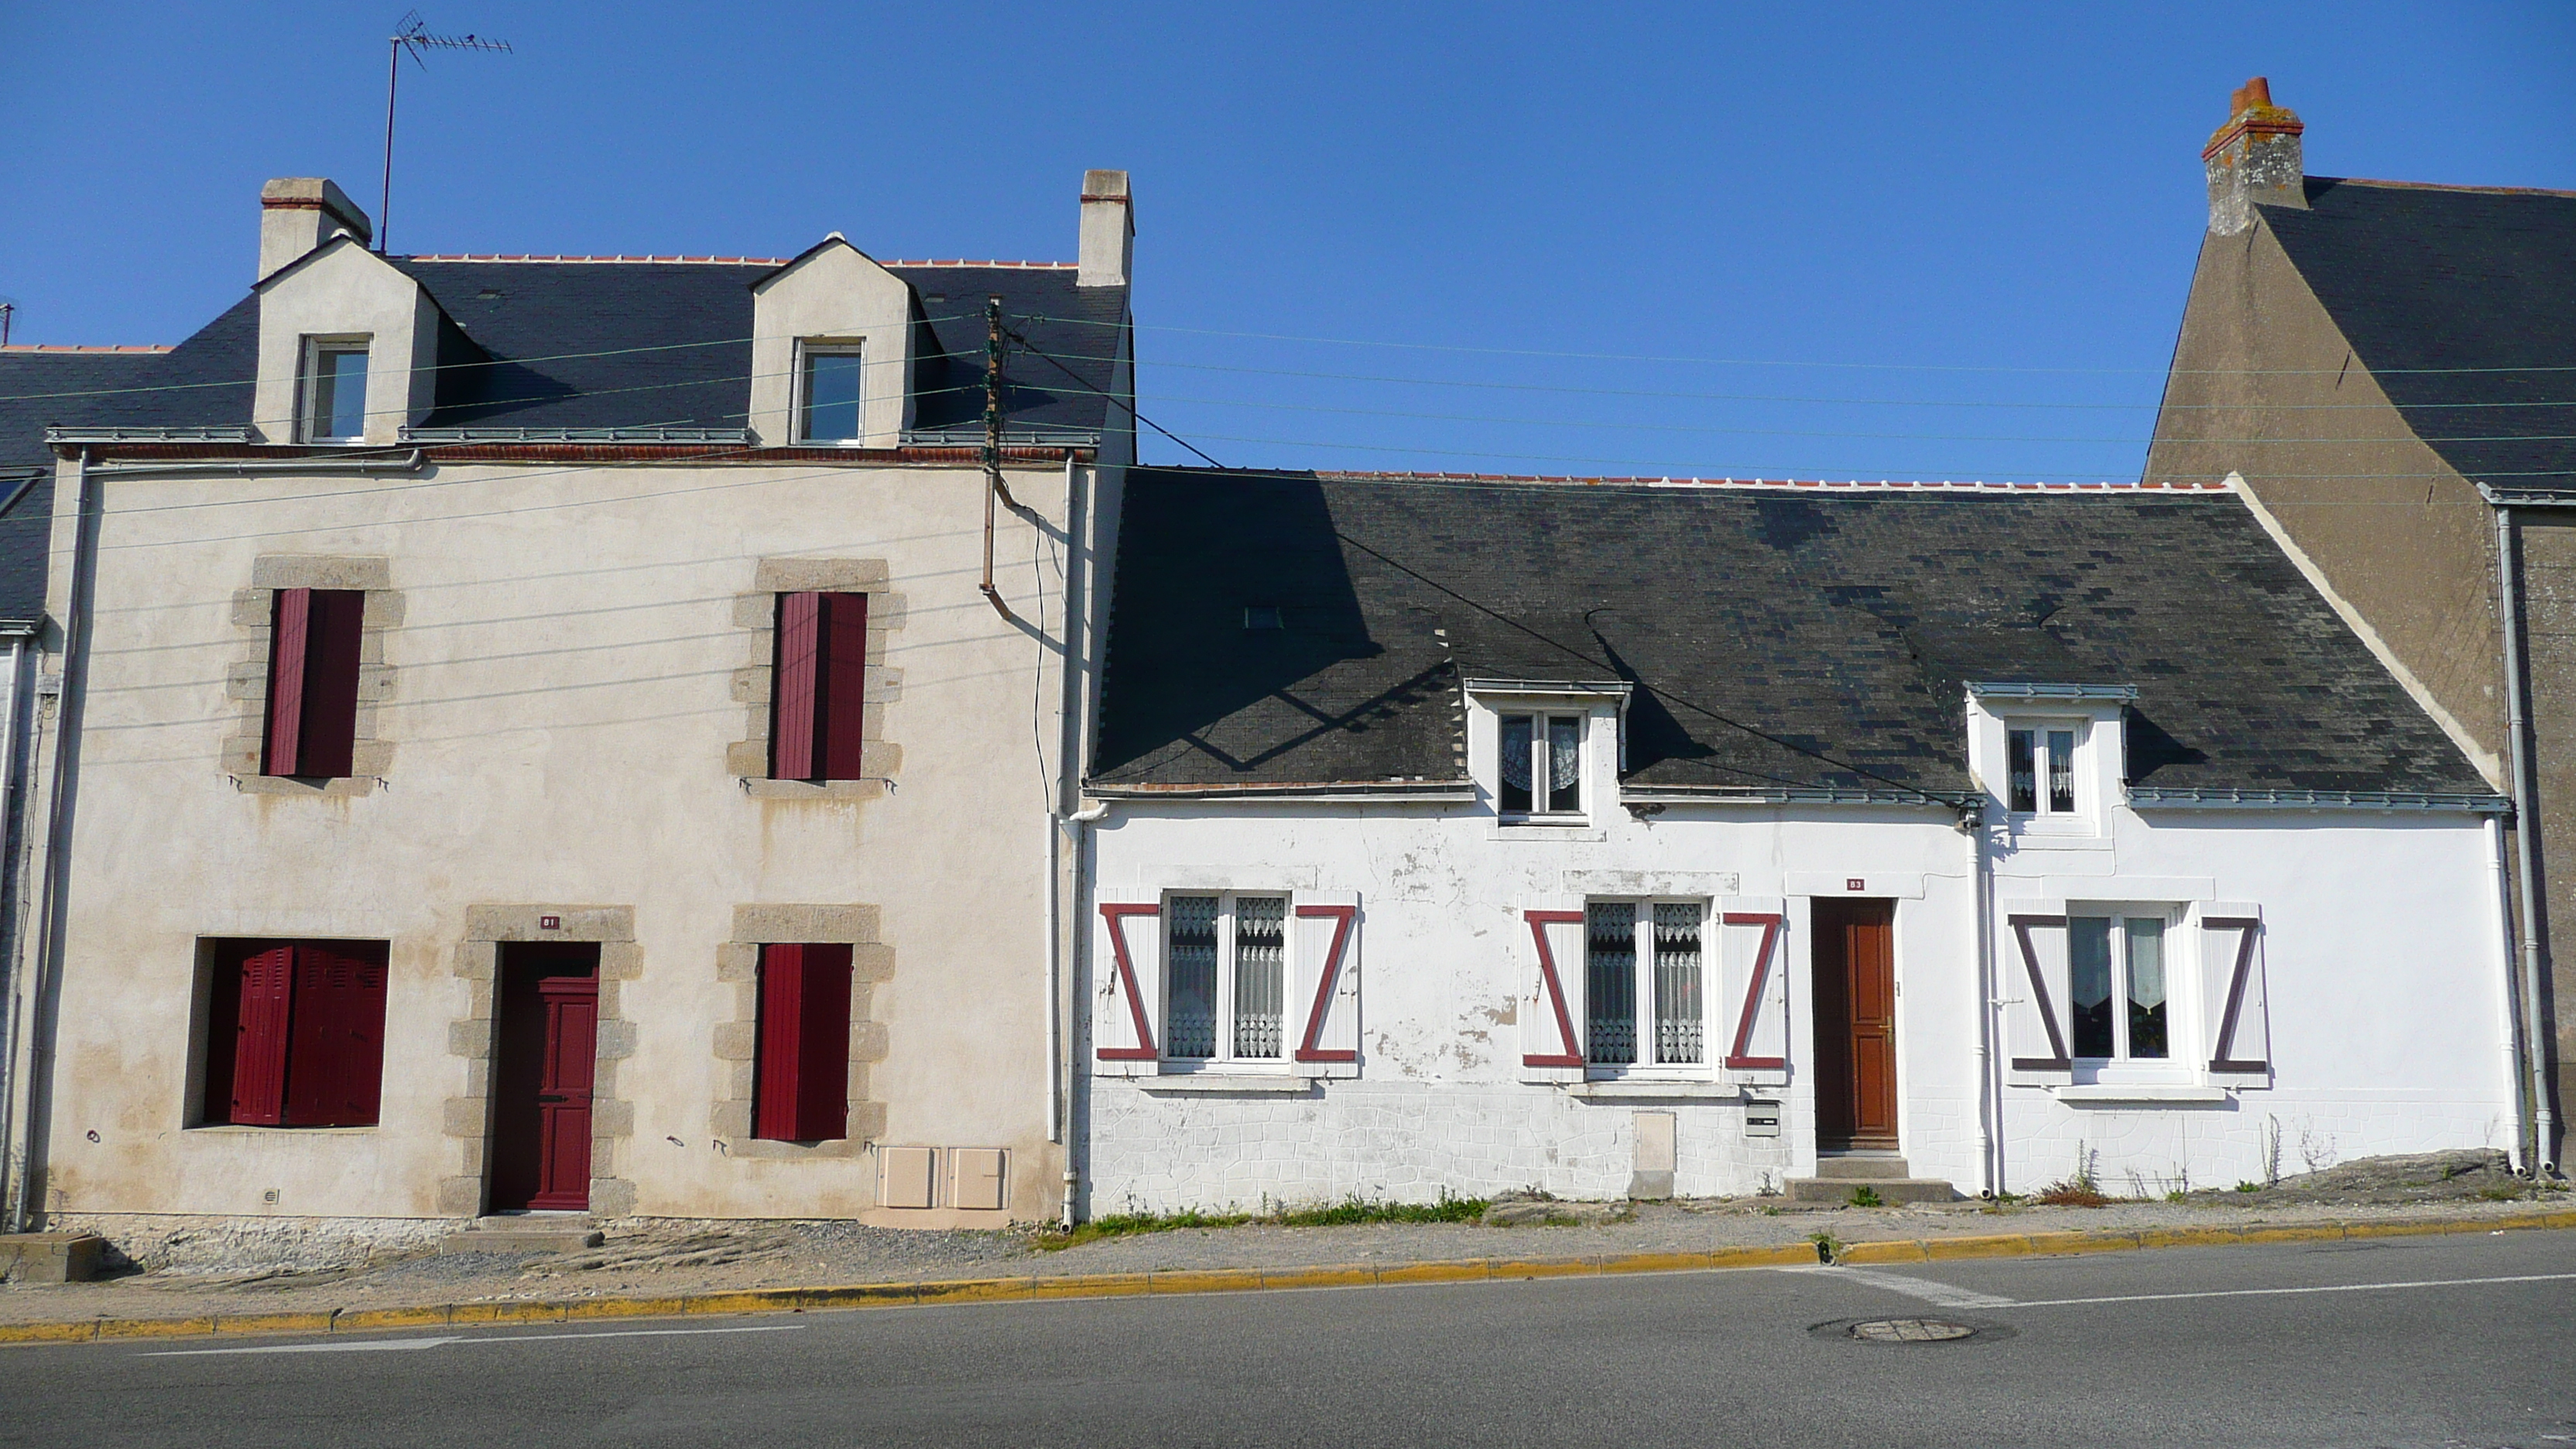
{"x": 2390, "y": 368}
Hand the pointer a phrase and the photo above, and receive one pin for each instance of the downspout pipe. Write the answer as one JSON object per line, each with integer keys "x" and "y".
{"x": 2532, "y": 1069}
{"x": 2516, "y": 1085}
{"x": 46, "y": 971}
{"x": 1990, "y": 1103}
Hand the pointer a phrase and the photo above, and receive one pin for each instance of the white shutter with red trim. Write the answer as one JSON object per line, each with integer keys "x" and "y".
{"x": 2030, "y": 977}
{"x": 1324, "y": 984}
{"x": 1549, "y": 934}
{"x": 1127, "y": 983}
{"x": 2235, "y": 1009}
{"x": 1750, "y": 1017}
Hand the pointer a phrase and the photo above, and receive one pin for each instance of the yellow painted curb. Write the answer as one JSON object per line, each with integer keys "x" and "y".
{"x": 378, "y": 1320}
{"x": 1238, "y": 1280}
{"x": 274, "y": 1322}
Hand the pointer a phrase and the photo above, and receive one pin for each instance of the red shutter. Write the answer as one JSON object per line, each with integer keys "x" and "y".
{"x": 776, "y": 1082}
{"x": 289, "y": 627}
{"x": 793, "y": 689}
{"x": 842, "y": 693}
{"x": 331, "y": 682}
{"x": 335, "y": 1072}
{"x": 800, "y": 1086}
{"x": 266, "y": 982}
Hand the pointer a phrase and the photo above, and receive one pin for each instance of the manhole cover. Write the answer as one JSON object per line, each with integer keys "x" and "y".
{"x": 1910, "y": 1330}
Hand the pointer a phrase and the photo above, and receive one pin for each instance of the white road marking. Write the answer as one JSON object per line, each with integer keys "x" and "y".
{"x": 1940, "y": 1294}
{"x": 1947, "y": 1296}
{"x": 2276, "y": 1292}
{"x": 397, "y": 1345}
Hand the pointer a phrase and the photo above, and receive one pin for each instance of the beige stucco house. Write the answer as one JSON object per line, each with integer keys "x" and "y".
{"x": 2385, "y": 368}
{"x": 571, "y": 733}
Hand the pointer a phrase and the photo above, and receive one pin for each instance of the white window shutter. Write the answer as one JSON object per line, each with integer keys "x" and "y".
{"x": 2031, "y": 977}
{"x": 1751, "y": 1012}
{"x": 1127, "y": 984}
{"x": 1549, "y": 934}
{"x": 1324, "y": 985}
{"x": 2235, "y": 1009}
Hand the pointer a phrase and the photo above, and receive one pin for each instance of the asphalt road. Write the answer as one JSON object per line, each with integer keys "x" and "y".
{"x": 2423, "y": 1341}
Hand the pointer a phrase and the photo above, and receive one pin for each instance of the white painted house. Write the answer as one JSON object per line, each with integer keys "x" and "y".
{"x": 1635, "y": 838}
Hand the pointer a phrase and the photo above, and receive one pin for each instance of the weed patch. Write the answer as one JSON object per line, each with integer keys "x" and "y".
{"x": 1349, "y": 1211}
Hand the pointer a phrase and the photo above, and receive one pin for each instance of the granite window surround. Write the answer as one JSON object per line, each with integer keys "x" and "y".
{"x": 737, "y": 1038}
{"x": 246, "y": 678}
{"x": 756, "y": 614}
{"x": 468, "y": 1117}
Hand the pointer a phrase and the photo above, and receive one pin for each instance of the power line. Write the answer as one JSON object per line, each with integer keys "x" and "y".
{"x": 1797, "y": 362}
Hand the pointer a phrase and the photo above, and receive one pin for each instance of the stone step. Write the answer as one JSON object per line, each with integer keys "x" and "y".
{"x": 1861, "y": 1166}
{"x": 50, "y": 1257}
{"x": 1889, "y": 1190}
{"x": 523, "y": 1235}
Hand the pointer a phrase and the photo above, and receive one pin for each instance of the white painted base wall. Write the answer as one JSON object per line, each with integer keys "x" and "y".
{"x": 2381, "y": 944}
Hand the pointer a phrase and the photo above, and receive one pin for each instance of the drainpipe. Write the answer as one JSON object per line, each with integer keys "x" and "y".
{"x": 45, "y": 968}
{"x": 2526, "y": 823}
{"x": 12, "y": 962}
{"x": 2516, "y": 1085}
{"x": 1990, "y": 1102}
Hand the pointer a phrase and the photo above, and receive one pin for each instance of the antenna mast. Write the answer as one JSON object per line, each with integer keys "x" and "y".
{"x": 411, "y": 36}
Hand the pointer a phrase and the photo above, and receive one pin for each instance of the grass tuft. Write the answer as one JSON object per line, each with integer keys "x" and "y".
{"x": 1348, "y": 1211}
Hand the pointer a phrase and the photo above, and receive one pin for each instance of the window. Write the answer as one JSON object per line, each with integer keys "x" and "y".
{"x": 801, "y": 1067}
{"x": 1227, "y": 979}
{"x": 827, "y": 393}
{"x": 312, "y": 725}
{"x": 1542, "y": 764}
{"x": 2115, "y": 968}
{"x": 295, "y": 1033}
{"x": 818, "y": 687}
{"x": 1642, "y": 985}
{"x": 2041, "y": 763}
{"x": 335, "y": 390}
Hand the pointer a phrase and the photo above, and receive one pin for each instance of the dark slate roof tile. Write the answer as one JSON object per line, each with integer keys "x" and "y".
{"x": 1809, "y": 640}
{"x": 2426, "y": 278}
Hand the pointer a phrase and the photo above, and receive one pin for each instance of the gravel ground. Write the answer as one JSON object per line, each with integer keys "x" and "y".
{"x": 662, "y": 1256}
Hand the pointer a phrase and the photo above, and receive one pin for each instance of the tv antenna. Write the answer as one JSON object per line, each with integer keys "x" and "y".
{"x": 411, "y": 36}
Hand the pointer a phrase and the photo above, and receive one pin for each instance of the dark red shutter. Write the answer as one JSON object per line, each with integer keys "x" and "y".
{"x": 794, "y": 683}
{"x": 843, "y": 692}
{"x": 800, "y": 1079}
{"x": 776, "y": 1081}
{"x": 335, "y": 1072}
{"x": 266, "y": 983}
{"x": 823, "y": 1069}
{"x": 331, "y": 682}
{"x": 313, "y": 681}
{"x": 289, "y": 627}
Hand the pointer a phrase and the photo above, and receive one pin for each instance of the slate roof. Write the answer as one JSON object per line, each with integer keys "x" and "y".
{"x": 2442, "y": 277}
{"x": 668, "y": 344}
{"x": 1775, "y": 638}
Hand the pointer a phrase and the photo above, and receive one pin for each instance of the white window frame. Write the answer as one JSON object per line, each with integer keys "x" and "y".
{"x": 1642, "y": 969}
{"x": 2079, "y": 732}
{"x": 1226, "y": 1058}
{"x": 309, "y": 420}
{"x": 2180, "y": 1061}
{"x": 801, "y": 391}
{"x": 1543, "y": 763}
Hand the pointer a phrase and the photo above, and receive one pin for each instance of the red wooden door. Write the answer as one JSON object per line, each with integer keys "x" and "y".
{"x": 1855, "y": 990}
{"x": 541, "y": 1110}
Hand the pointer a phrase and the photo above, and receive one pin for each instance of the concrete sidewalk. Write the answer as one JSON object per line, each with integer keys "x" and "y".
{"x": 1676, "y": 1238}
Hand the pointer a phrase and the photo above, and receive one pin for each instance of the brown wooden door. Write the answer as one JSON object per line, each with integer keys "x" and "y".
{"x": 1855, "y": 992}
{"x": 549, "y": 1034}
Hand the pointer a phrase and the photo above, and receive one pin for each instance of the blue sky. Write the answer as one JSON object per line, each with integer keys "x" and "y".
{"x": 1822, "y": 240}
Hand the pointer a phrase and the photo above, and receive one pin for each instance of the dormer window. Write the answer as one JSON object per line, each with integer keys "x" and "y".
{"x": 335, "y": 389}
{"x": 2040, "y": 763}
{"x": 827, "y": 392}
{"x": 1541, "y": 764}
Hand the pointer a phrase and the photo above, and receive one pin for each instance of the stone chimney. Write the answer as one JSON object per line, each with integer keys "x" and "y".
{"x": 299, "y": 213}
{"x": 2254, "y": 158}
{"x": 1108, "y": 230}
